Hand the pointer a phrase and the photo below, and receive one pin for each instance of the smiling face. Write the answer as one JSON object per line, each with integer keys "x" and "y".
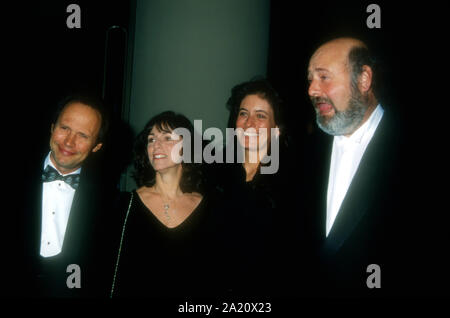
{"x": 159, "y": 148}
{"x": 74, "y": 136}
{"x": 338, "y": 105}
{"x": 255, "y": 118}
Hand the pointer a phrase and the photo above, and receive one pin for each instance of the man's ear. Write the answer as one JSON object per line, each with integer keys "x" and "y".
{"x": 97, "y": 147}
{"x": 365, "y": 79}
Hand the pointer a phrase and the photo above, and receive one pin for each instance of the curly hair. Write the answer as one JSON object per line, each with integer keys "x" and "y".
{"x": 144, "y": 174}
{"x": 257, "y": 86}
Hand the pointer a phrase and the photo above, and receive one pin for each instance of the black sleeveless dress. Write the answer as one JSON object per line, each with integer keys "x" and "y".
{"x": 157, "y": 261}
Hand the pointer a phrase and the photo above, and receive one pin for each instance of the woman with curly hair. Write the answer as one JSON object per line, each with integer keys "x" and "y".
{"x": 162, "y": 245}
{"x": 254, "y": 210}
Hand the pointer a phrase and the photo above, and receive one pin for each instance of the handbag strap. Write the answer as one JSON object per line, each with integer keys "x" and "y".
{"x": 120, "y": 247}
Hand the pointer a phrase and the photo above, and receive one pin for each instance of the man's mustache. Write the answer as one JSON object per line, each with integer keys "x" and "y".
{"x": 318, "y": 100}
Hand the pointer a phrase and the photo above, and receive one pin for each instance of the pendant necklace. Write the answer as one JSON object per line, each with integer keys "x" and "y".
{"x": 167, "y": 205}
{"x": 166, "y": 212}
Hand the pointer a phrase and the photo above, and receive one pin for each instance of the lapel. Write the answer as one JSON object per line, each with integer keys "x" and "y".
{"x": 319, "y": 148}
{"x": 362, "y": 192}
{"x": 32, "y": 214}
{"x": 80, "y": 219}
{"x": 30, "y": 220}
{"x": 70, "y": 236}
{"x": 323, "y": 191}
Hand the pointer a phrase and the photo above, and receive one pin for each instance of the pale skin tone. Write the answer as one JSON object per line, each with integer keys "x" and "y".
{"x": 329, "y": 76}
{"x": 167, "y": 186}
{"x": 74, "y": 137}
{"x": 254, "y": 113}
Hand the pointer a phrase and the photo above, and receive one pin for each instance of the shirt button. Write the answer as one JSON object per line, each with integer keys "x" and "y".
{"x": 53, "y": 212}
{"x": 48, "y": 243}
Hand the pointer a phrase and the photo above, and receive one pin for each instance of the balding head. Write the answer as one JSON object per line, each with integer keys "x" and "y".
{"x": 343, "y": 43}
{"x": 338, "y": 50}
{"x": 341, "y": 85}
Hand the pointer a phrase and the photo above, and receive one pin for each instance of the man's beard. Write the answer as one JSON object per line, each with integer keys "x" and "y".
{"x": 343, "y": 122}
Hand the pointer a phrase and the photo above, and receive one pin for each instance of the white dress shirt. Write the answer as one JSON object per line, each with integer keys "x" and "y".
{"x": 346, "y": 155}
{"x": 57, "y": 197}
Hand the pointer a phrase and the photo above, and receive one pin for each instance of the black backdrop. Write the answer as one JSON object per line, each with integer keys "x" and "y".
{"x": 44, "y": 60}
{"x": 298, "y": 29}
{"x": 52, "y": 60}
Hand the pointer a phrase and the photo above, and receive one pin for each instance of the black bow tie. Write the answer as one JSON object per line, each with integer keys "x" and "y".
{"x": 50, "y": 174}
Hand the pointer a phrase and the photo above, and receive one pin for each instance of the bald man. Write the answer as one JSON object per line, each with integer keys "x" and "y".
{"x": 354, "y": 215}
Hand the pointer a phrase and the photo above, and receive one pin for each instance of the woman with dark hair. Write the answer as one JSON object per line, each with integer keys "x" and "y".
{"x": 255, "y": 202}
{"x": 162, "y": 239}
{"x": 255, "y": 113}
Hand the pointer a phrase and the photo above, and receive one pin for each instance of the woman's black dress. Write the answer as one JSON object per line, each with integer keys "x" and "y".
{"x": 157, "y": 261}
{"x": 251, "y": 232}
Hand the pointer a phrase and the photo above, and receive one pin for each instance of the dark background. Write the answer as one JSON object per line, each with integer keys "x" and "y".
{"x": 51, "y": 61}
{"x": 45, "y": 60}
{"x": 401, "y": 46}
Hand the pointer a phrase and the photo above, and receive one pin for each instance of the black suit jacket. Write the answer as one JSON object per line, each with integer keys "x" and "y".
{"x": 373, "y": 223}
{"x": 88, "y": 241}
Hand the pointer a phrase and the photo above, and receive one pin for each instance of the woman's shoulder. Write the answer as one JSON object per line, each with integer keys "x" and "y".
{"x": 194, "y": 196}
{"x": 146, "y": 194}
{"x": 194, "y": 200}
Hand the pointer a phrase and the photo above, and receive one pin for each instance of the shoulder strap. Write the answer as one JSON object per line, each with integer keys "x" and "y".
{"x": 120, "y": 246}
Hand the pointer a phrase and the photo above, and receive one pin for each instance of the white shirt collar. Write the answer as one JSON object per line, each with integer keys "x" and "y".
{"x": 47, "y": 162}
{"x": 367, "y": 128}
{"x": 345, "y": 158}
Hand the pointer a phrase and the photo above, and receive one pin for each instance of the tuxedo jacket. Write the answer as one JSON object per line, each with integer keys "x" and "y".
{"x": 86, "y": 242}
{"x": 373, "y": 224}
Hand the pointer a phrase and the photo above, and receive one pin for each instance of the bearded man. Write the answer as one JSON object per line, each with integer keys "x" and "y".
{"x": 356, "y": 223}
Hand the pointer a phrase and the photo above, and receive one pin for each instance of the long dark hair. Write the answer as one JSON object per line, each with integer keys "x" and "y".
{"x": 144, "y": 174}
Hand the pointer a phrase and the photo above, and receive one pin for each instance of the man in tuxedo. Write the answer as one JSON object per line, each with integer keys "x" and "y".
{"x": 357, "y": 220}
{"x": 64, "y": 205}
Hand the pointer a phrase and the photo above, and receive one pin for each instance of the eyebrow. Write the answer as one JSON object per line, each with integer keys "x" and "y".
{"x": 256, "y": 111}
{"x": 161, "y": 133}
{"x": 318, "y": 69}
{"x": 87, "y": 134}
